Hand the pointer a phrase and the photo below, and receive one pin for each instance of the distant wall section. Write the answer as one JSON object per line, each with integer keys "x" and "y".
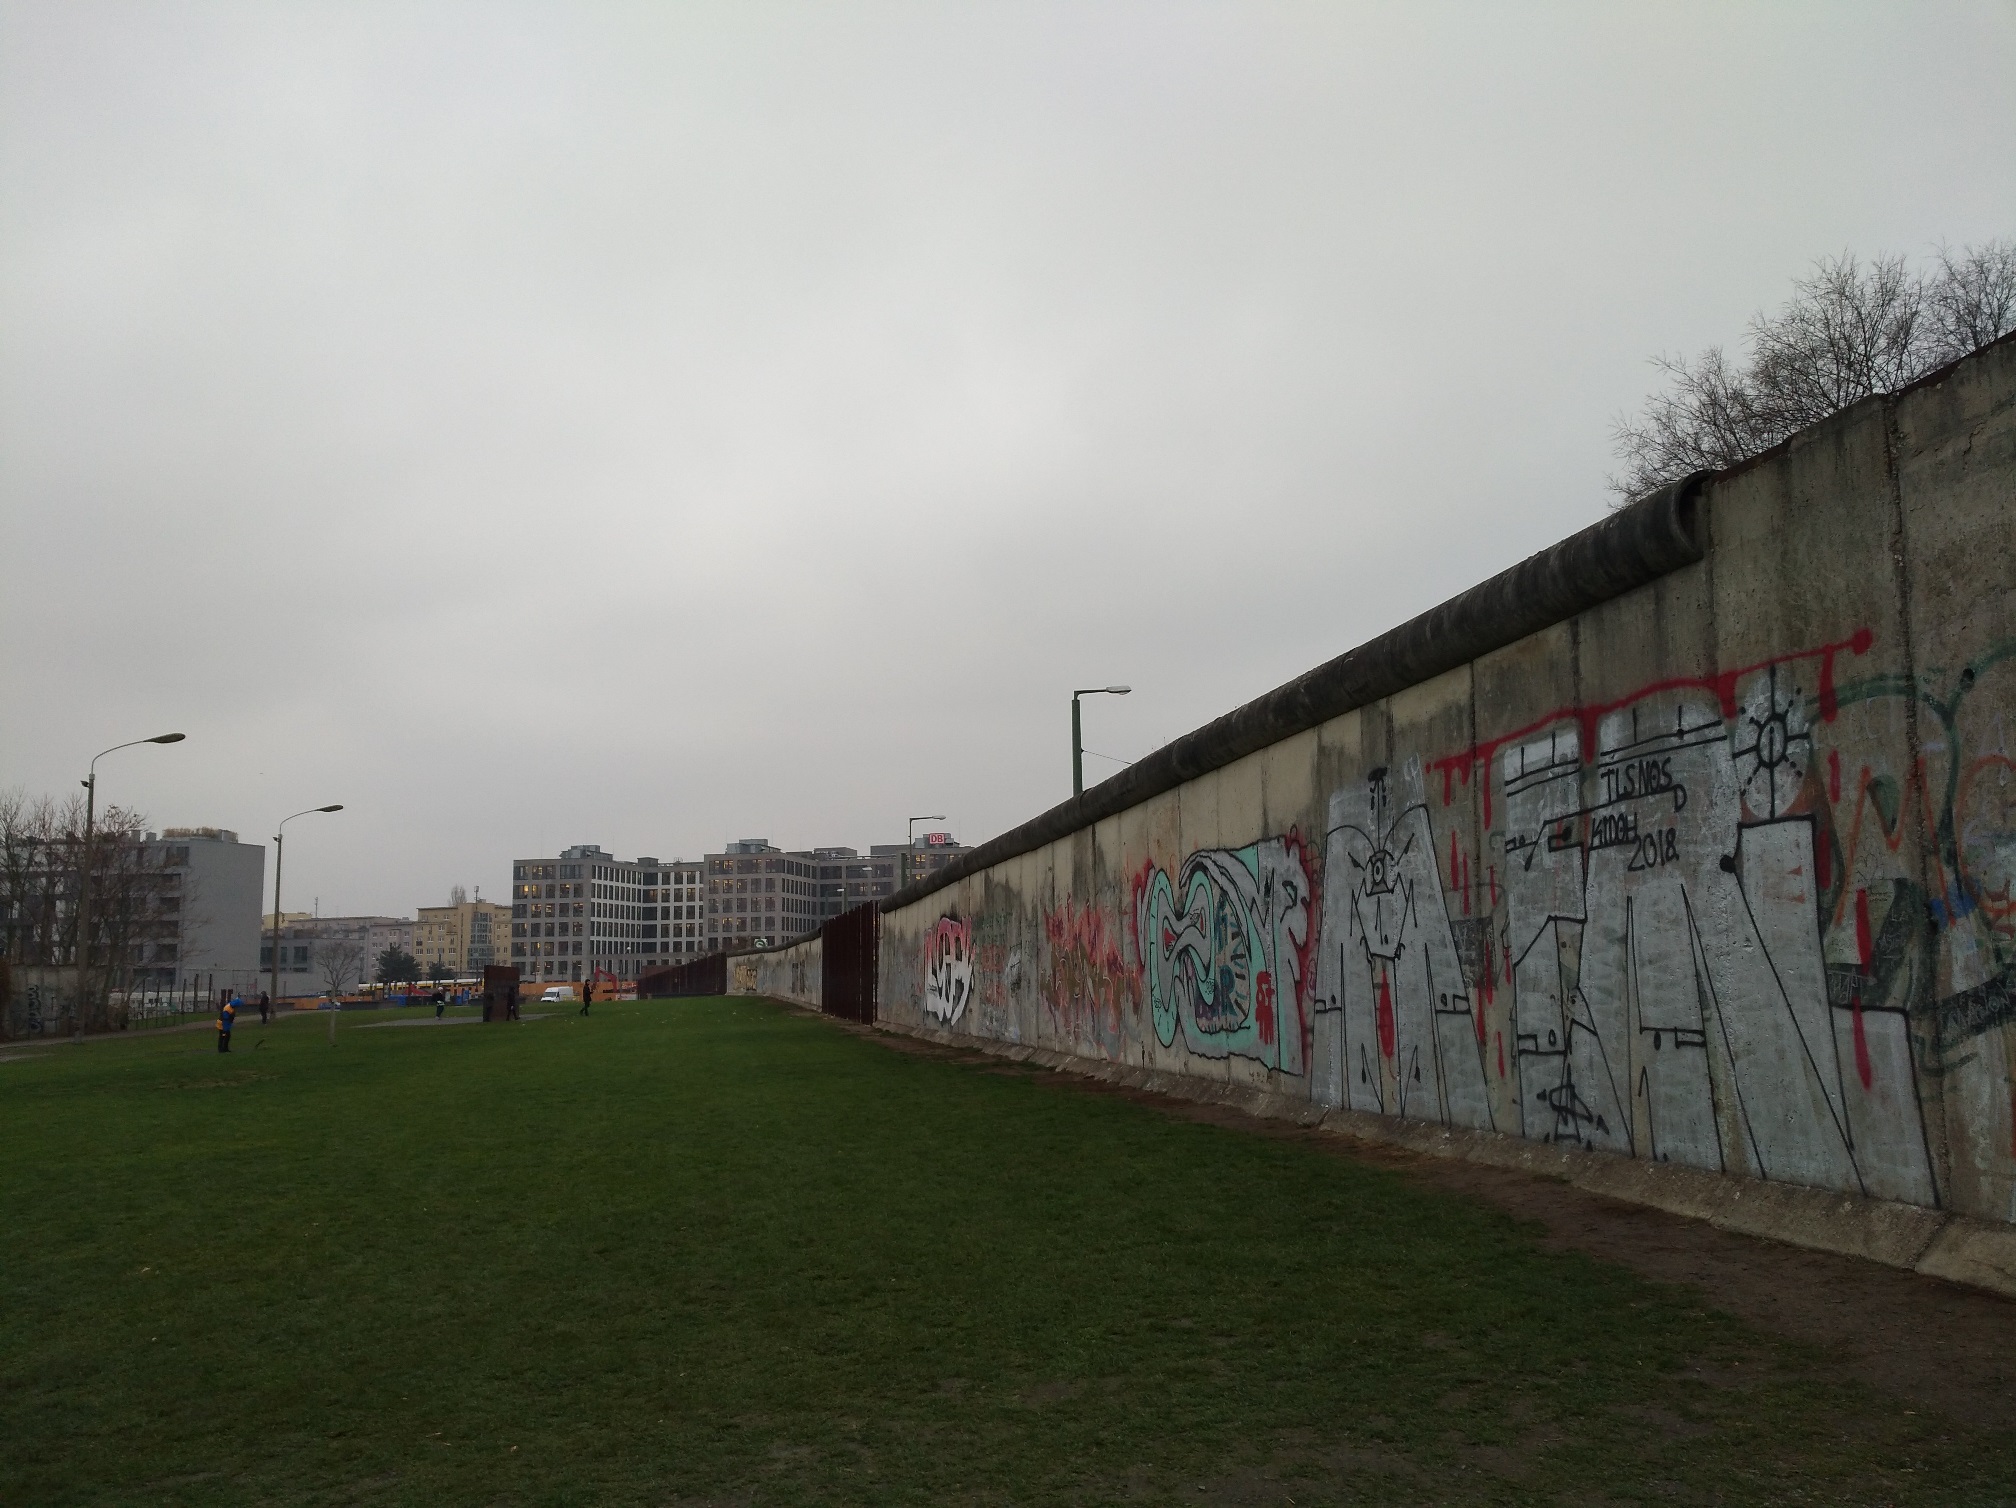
{"x": 792, "y": 974}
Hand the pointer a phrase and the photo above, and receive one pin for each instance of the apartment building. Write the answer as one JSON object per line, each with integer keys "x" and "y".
{"x": 682, "y": 927}
{"x": 930, "y": 853}
{"x": 458, "y": 939}
{"x": 205, "y": 916}
{"x": 170, "y": 910}
{"x": 586, "y": 910}
{"x": 849, "y": 879}
{"x": 329, "y": 955}
{"x": 759, "y": 895}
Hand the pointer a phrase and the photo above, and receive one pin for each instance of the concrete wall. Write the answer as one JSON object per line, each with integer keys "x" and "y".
{"x": 1719, "y": 872}
{"x": 791, "y": 975}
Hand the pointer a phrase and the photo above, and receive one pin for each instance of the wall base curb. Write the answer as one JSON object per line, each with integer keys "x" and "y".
{"x": 1954, "y": 1248}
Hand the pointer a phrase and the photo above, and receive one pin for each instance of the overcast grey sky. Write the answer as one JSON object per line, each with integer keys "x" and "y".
{"x": 653, "y": 425}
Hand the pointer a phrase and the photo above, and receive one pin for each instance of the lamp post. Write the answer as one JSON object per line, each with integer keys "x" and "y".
{"x": 911, "y": 842}
{"x": 84, "y": 992}
{"x": 1077, "y": 738}
{"x": 279, "y": 851}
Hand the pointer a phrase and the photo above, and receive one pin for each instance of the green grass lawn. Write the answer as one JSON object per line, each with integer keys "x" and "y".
{"x": 695, "y": 1250}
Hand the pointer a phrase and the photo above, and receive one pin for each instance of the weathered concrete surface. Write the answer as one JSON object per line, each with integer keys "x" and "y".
{"x": 790, "y": 974}
{"x": 1974, "y": 1252}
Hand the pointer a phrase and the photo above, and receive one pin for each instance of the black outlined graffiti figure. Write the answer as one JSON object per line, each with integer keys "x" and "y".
{"x": 1670, "y": 994}
{"x": 1395, "y": 1027}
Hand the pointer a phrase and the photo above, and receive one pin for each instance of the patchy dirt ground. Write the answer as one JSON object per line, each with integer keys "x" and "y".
{"x": 1931, "y": 1345}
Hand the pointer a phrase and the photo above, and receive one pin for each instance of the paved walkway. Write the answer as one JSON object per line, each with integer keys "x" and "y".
{"x": 447, "y": 1021}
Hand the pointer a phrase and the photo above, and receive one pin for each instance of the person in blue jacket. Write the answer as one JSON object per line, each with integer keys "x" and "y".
{"x": 227, "y": 1017}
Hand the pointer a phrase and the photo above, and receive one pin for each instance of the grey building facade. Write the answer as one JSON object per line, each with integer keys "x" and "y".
{"x": 329, "y": 955}
{"x": 585, "y": 911}
{"x": 759, "y": 895}
{"x": 204, "y": 926}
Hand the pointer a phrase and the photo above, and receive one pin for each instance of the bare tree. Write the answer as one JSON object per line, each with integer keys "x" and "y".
{"x": 126, "y": 889}
{"x": 41, "y": 858}
{"x": 1973, "y": 300}
{"x": 342, "y": 962}
{"x": 35, "y": 874}
{"x": 1848, "y": 333}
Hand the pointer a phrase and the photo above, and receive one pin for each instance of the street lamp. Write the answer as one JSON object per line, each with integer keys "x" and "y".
{"x": 84, "y": 993}
{"x": 911, "y": 843}
{"x": 279, "y": 850}
{"x": 1077, "y": 740}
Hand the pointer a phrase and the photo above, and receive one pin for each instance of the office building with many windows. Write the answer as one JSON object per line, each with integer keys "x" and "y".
{"x": 759, "y": 895}
{"x": 587, "y": 911}
{"x": 329, "y": 955}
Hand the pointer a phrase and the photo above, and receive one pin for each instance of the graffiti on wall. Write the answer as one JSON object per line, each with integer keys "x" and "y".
{"x": 1223, "y": 950}
{"x": 948, "y": 969}
{"x": 1091, "y": 990}
{"x": 1395, "y": 1025}
{"x": 1704, "y": 923}
{"x": 1699, "y": 1020}
{"x": 997, "y": 974}
{"x": 972, "y": 973}
{"x": 1667, "y": 874}
{"x": 1964, "y": 794}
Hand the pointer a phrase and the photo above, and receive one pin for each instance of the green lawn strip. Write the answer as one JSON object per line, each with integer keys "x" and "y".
{"x": 710, "y": 1247}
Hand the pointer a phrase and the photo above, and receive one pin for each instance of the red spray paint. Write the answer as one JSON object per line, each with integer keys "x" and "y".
{"x": 1722, "y": 684}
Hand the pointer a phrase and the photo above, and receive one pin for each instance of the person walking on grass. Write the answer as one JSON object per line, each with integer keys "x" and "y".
{"x": 440, "y": 1003}
{"x": 587, "y": 994}
{"x": 227, "y": 1017}
{"x": 265, "y": 1008}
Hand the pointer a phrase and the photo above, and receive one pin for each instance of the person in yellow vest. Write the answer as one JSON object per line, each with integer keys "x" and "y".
{"x": 227, "y": 1017}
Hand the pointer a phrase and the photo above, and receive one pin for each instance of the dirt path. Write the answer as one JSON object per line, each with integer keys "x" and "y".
{"x": 1930, "y": 1344}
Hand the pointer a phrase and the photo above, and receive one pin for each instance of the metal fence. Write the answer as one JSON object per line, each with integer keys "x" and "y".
{"x": 848, "y": 949}
{"x": 706, "y": 975}
{"x": 197, "y": 995}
